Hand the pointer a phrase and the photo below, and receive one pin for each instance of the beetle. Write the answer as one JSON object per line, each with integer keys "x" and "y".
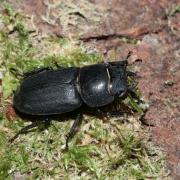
{"x": 47, "y": 92}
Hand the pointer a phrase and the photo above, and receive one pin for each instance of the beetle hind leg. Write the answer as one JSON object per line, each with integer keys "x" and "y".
{"x": 25, "y": 129}
{"x": 73, "y": 129}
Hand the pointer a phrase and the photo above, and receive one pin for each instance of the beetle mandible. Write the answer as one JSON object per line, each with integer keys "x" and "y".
{"x": 46, "y": 92}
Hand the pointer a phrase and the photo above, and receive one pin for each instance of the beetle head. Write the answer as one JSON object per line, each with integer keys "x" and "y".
{"x": 118, "y": 78}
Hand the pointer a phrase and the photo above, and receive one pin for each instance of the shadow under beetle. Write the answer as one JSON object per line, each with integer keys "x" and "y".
{"x": 46, "y": 92}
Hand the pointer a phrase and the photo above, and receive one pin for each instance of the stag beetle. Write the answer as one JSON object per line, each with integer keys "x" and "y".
{"x": 47, "y": 92}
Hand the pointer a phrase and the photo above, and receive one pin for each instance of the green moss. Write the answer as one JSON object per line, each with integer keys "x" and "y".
{"x": 174, "y": 10}
{"x": 81, "y": 157}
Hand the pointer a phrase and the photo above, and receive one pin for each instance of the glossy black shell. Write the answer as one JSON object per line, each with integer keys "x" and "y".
{"x": 48, "y": 92}
{"x": 94, "y": 82}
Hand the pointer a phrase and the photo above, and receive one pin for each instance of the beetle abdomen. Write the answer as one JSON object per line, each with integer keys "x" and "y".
{"x": 94, "y": 82}
{"x": 46, "y": 93}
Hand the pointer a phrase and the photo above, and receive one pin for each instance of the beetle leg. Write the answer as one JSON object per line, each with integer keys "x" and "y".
{"x": 122, "y": 62}
{"x": 26, "y": 74}
{"x": 73, "y": 129}
{"x": 58, "y": 66}
{"x": 134, "y": 94}
{"x": 105, "y": 115}
{"x": 36, "y": 71}
{"x": 131, "y": 74}
{"x": 15, "y": 72}
{"x": 28, "y": 127}
{"x": 109, "y": 113}
{"x": 114, "y": 114}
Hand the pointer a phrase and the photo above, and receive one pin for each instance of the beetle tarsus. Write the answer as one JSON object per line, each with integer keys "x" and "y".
{"x": 73, "y": 129}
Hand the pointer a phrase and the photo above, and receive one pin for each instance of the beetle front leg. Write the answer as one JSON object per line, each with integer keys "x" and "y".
{"x": 131, "y": 74}
{"x": 73, "y": 129}
{"x": 109, "y": 113}
{"x": 134, "y": 95}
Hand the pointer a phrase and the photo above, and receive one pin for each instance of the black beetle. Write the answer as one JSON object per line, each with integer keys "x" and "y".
{"x": 47, "y": 92}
